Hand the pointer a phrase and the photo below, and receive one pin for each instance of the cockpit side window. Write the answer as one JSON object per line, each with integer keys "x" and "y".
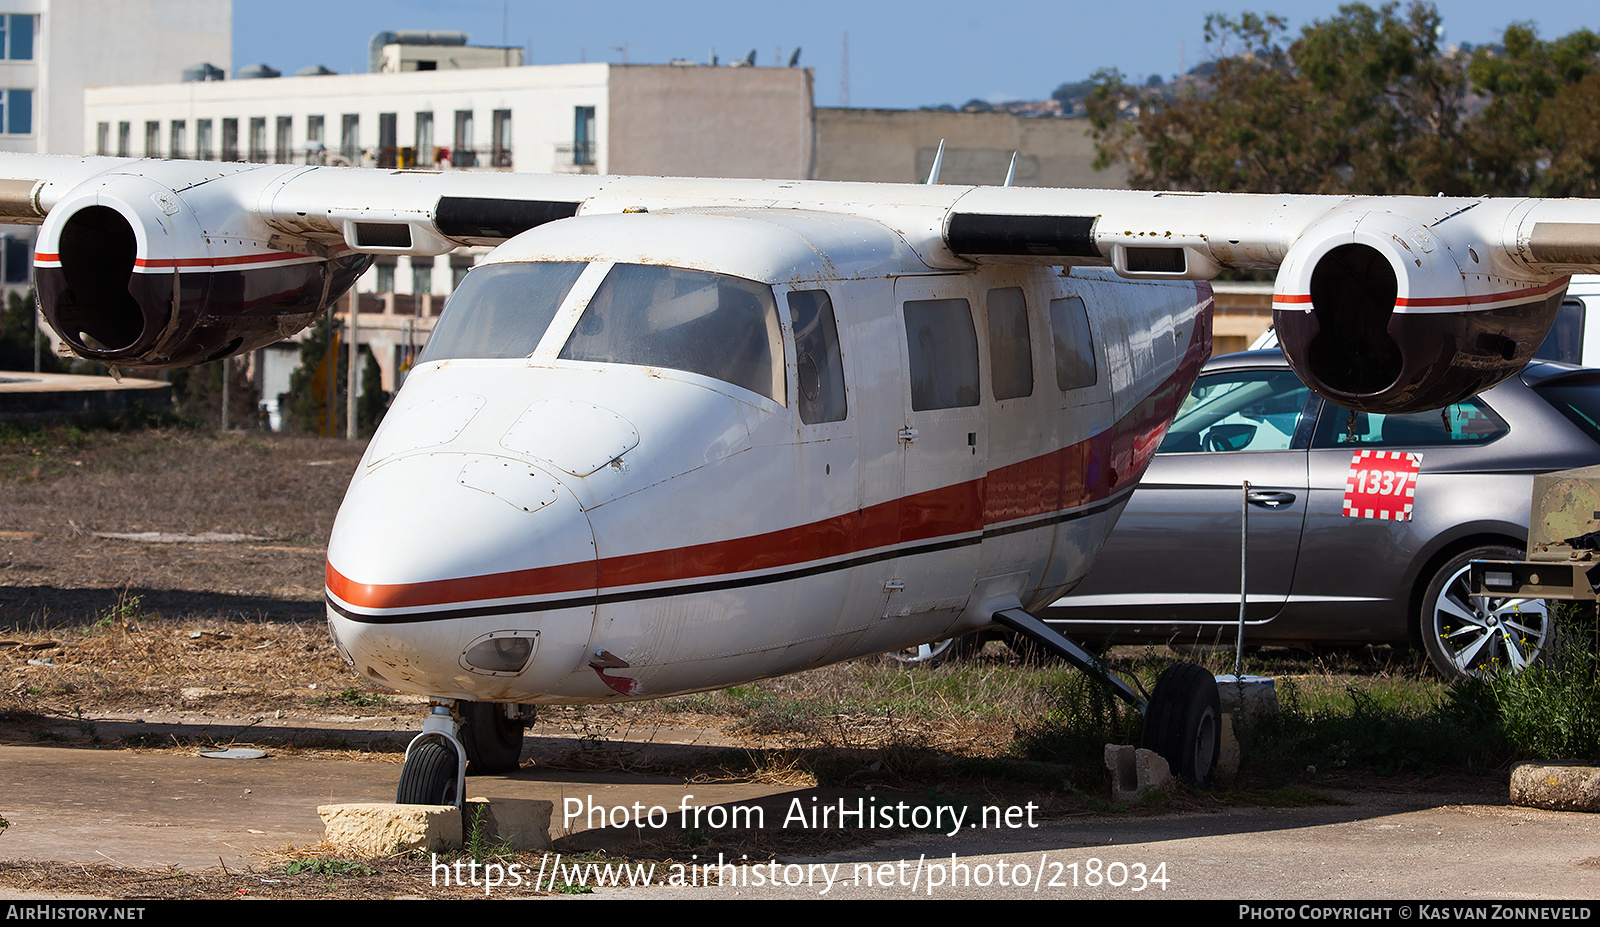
{"x": 711, "y": 324}
{"x": 501, "y": 310}
{"x": 821, "y": 368}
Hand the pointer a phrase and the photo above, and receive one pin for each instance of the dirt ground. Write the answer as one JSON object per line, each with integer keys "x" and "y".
{"x": 205, "y": 616}
{"x": 207, "y": 627}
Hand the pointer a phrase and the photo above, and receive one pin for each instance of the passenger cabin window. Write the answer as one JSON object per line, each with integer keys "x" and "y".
{"x": 943, "y": 353}
{"x": 1069, "y": 323}
{"x": 1470, "y": 422}
{"x": 710, "y": 324}
{"x": 1010, "y": 348}
{"x": 820, "y": 366}
{"x": 1251, "y": 410}
{"x": 501, "y": 310}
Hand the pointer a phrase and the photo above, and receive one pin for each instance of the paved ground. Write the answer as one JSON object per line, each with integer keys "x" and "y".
{"x": 166, "y": 809}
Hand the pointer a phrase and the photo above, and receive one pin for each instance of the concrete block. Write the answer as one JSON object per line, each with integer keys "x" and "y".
{"x": 1227, "y": 753}
{"x": 381, "y": 828}
{"x": 521, "y": 822}
{"x": 1136, "y": 772}
{"x": 1247, "y": 694}
{"x": 1556, "y": 786}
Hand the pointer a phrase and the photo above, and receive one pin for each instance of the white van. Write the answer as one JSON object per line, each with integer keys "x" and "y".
{"x": 1571, "y": 340}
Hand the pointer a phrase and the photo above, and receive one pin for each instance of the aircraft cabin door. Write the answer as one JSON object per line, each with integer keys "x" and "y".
{"x": 944, "y": 434}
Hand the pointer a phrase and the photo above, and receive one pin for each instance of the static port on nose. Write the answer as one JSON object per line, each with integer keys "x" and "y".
{"x": 501, "y": 652}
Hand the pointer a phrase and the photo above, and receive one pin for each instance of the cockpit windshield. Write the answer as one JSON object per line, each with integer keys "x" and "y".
{"x": 501, "y": 310}
{"x": 711, "y": 324}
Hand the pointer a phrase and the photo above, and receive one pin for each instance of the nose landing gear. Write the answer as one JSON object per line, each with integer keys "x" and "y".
{"x": 457, "y": 739}
{"x": 435, "y": 772}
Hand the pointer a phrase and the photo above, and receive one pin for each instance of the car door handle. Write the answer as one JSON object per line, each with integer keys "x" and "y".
{"x": 1270, "y": 500}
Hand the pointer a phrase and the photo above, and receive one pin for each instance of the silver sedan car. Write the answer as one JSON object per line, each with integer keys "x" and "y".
{"x": 1317, "y": 575}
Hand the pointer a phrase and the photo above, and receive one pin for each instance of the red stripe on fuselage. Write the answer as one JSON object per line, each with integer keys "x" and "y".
{"x": 1070, "y": 478}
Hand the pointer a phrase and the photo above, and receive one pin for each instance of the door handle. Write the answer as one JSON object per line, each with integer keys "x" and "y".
{"x": 1269, "y": 500}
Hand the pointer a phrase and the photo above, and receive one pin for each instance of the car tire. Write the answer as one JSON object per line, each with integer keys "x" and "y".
{"x": 1471, "y": 638}
{"x": 940, "y": 652}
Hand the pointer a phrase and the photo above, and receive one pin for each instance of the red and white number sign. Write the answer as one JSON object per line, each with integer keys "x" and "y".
{"x": 1381, "y": 484}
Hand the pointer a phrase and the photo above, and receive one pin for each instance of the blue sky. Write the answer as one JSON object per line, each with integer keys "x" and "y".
{"x": 902, "y": 54}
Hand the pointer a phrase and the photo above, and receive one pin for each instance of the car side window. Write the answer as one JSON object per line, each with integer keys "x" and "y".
{"x": 1469, "y": 422}
{"x": 1240, "y": 410}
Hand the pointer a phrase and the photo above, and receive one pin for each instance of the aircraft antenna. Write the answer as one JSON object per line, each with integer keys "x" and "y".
{"x": 938, "y": 159}
{"x": 1011, "y": 172}
{"x": 844, "y": 73}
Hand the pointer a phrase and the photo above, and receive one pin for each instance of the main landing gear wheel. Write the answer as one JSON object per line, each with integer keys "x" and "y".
{"x": 429, "y": 776}
{"x": 1183, "y": 723}
{"x": 492, "y": 739}
{"x": 1471, "y": 637}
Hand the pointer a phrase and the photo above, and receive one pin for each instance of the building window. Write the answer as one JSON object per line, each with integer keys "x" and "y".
{"x": 124, "y": 138}
{"x": 202, "y": 140}
{"x": 350, "y": 137}
{"x": 18, "y": 259}
{"x": 388, "y": 140}
{"x": 16, "y": 36}
{"x": 230, "y": 139}
{"x": 18, "y": 117}
{"x": 463, "y": 155}
{"x": 583, "y": 135}
{"x": 424, "y": 139}
{"x": 386, "y": 275}
{"x": 283, "y": 143}
{"x": 422, "y": 275}
{"x": 102, "y": 138}
{"x": 502, "y": 138}
{"x": 178, "y": 139}
{"x": 258, "y": 138}
{"x": 152, "y": 139}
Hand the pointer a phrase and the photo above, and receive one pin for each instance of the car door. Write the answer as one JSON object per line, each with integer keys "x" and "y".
{"x": 1353, "y": 583}
{"x": 1172, "y": 563}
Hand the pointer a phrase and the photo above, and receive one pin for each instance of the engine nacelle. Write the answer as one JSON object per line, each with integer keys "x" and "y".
{"x": 1377, "y": 313}
{"x": 130, "y": 272}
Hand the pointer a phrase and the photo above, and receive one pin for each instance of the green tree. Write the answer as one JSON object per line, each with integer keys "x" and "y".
{"x": 1536, "y": 133}
{"x": 1364, "y": 102}
{"x": 304, "y": 409}
{"x": 17, "y": 338}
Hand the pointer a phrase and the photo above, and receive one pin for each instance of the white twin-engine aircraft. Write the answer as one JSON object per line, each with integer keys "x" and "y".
{"x": 677, "y": 434}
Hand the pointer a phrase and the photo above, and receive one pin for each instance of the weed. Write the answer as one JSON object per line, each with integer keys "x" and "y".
{"x": 329, "y": 866}
{"x": 477, "y": 843}
{"x": 87, "y": 728}
{"x": 353, "y": 697}
{"x": 1551, "y": 709}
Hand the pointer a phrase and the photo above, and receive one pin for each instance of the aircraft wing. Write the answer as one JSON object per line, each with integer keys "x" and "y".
{"x": 1382, "y": 303}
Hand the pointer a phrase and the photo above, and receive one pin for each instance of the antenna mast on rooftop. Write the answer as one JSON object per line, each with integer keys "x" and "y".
{"x": 844, "y": 73}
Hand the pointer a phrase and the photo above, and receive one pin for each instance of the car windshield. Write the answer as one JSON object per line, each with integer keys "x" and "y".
{"x": 501, "y": 310}
{"x": 711, "y": 324}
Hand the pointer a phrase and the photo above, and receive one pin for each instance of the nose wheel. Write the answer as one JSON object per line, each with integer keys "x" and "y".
{"x": 435, "y": 772}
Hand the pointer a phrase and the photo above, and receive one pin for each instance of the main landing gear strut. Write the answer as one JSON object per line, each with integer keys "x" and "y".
{"x": 457, "y": 739}
{"x": 1183, "y": 717}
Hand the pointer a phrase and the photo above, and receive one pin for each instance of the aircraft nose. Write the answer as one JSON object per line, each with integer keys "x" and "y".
{"x": 461, "y": 575}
